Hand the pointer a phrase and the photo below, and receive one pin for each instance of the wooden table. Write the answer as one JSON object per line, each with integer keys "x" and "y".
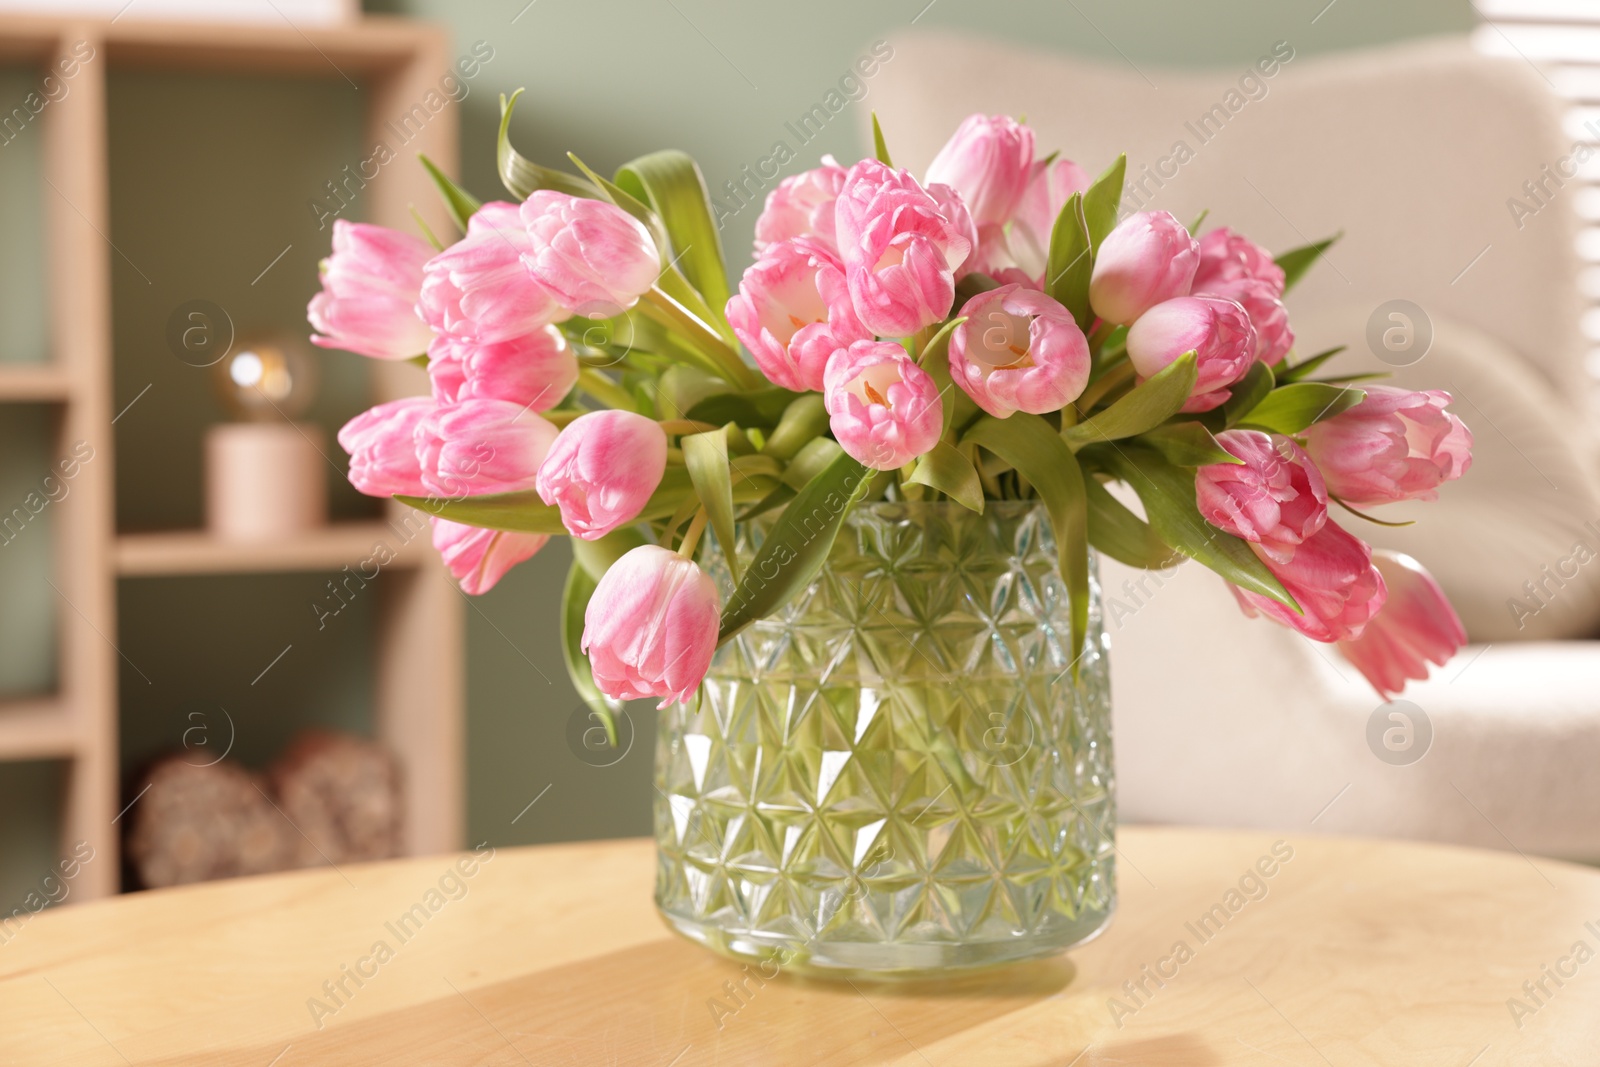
{"x": 1351, "y": 952}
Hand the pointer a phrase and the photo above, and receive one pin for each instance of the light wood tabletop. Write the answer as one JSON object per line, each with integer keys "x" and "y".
{"x": 1293, "y": 951}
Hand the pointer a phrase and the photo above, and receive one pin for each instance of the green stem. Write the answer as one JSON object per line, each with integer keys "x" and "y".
{"x": 679, "y": 517}
{"x": 1118, "y": 375}
{"x": 722, "y": 359}
{"x": 691, "y": 536}
{"x": 683, "y": 426}
{"x": 1098, "y": 335}
{"x": 605, "y": 390}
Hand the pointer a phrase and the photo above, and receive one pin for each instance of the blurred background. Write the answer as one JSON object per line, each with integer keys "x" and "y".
{"x": 212, "y": 171}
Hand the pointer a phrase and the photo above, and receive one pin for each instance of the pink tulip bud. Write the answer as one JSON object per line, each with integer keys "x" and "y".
{"x": 1268, "y": 316}
{"x": 1227, "y": 257}
{"x": 1217, "y": 331}
{"x": 479, "y": 290}
{"x": 802, "y": 206}
{"x": 988, "y": 160}
{"x": 595, "y": 257}
{"x": 1019, "y": 350}
{"x": 537, "y": 369}
{"x": 1274, "y": 499}
{"x": 1417, "y": 626}
{"x": 899, "y": 251}
{"x": 602, "y": 469}
{"x": 1050, "y": 186}
{"x": 793, "y": 311}
{"x": 478, "y": 558}
{"x": 1147, "y": 259}
{"x": 1333, "y": 580}
{"x": 885, "y": 410}
{"x": 383, "y": 453}
{"x": 1394, "y": 445}
{"x": 651, "y": 627}
{"x": 369, "y": 293}
{"x": 479, "y": 447}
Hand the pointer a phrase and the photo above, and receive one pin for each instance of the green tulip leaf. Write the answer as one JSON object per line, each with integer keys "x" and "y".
{"x": 1071, "y": 261}
{"x": 684, "y": 386}
{"x": 1295, "y": 263}
{"x": 460, "y": 203}
{"x": 524, "y": 512}
{"x": 1036, "y": 450}
{"x": 1167, "y": 492}
{"x": 574, "y": 604}
{"x": 796, "y": 546}
{"x": 521, "y": 512}
{"x": 775, "y": 499}
{"x": 762, "y": 407}
{"x": 1101, "y": 201}
{"x": 947, "y": 469}
{"x": 1247, "y": 393}
{"x": 1306, "y": 367}
{"x": 1144, "y": 407}
{"x": 522, "y": 176}
{"x": 706, "y": 457}
{"x": 1290, "y": 409}
{"x": 804, "y": 420}
{"x": 671, "y": 184}
{"x": 813, "y": 457}
{"x": 880, "y": 148}
{"x": 1121, "y": 534}
{"x": 1188, "y": 444}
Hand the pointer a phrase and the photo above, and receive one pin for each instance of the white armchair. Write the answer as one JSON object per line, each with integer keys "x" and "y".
{"x": 1413, "y": 151}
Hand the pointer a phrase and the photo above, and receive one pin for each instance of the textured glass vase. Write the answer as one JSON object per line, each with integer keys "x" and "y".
{"x": 897, "y": 774}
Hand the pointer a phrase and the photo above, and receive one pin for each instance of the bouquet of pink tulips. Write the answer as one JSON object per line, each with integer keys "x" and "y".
{"x": 993, "y": 331}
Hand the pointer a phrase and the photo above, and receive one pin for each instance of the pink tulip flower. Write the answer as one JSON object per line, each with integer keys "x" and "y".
{"x": 651, "y": 627}
{"x": 899, "y": 251}
{"x": 1394, "y": 445}
{"x": 1268, "y": 316}
{"x": 955, "y": 212}
{"x": 478, "y": 558}
{"x": 383, "y": 453}
{"x": 602, "y": 469}
{"x": 1149, "y": 258}
{"x": 479, "y": 447}
{"x": 537, "y": 369}
{"x": 884, "y": 409}
{"x": 988, "y": 160}
{"x": 1050, "y": 186}
{"x": 1332, "y": 578}
{"x": 1019, "y": 350}
{"x": 802, "y": 206}
{"x": 1417, "y": 626}
{"x": 479, "y": 290}
{"x": 1227, "y": 257}
{"x": 1274, "y": 499}
{"x": 369, "y": 293}
{"x": 1217, "y": 331}
{"x": 593, "y": 256}
{"x": 793, "y": 311}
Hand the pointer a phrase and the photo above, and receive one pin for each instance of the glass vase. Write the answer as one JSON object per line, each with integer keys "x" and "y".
{"x": 899, "y": 773}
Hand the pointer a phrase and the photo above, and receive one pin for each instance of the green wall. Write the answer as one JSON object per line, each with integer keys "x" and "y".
{"x": 612, "y": 79}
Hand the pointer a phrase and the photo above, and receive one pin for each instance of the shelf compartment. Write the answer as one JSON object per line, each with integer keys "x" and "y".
{"x": 36, "y": 729}
{"x": 329, "y": 549}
